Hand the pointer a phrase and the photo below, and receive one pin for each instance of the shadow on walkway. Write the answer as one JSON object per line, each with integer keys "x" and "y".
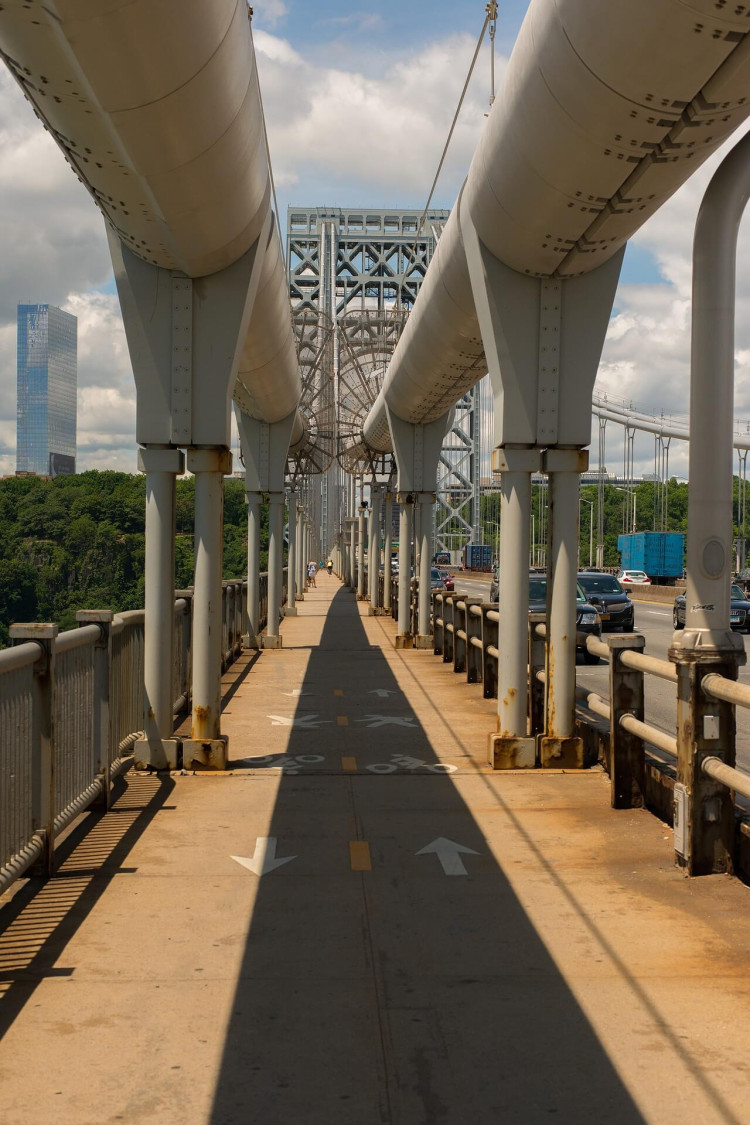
{"x": 399, "y": 993}
{"x": 43, "y": 916}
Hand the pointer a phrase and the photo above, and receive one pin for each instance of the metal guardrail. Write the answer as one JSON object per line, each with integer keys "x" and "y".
{"x": 465, "y": 632}
{"x": 72, "y": 709}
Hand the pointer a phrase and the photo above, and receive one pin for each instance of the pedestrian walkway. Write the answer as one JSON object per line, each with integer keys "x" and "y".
{"x": 360, "y": 924}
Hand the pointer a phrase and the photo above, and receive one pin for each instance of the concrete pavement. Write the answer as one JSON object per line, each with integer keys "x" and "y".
{"x": 360, "y": 923}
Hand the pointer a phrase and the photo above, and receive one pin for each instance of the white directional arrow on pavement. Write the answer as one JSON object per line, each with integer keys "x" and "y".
{"x": 264, "y": 858}
{"x": 296, "y": 692}
{"x": 449, "y": 854}
{"x": 381, "y": 692}
{"x": 387, "y": 721}
{"x": 304, "y": 722}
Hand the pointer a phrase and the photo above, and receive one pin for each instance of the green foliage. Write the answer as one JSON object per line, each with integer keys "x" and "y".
{"x": 78, "y": 543}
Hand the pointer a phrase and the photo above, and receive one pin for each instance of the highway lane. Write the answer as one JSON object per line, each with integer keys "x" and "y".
{"x": 654, "y": 621}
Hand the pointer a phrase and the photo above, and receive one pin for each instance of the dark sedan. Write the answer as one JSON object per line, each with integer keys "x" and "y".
{"x": 613, "y": 603}
{"x": 587, "y": 616}
{"x": 739, "y": 610}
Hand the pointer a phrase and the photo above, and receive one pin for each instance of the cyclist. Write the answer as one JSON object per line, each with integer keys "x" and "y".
{"x": 330, "y": 566}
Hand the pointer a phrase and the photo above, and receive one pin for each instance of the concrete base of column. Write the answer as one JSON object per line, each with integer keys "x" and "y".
{"x": 163, "y": 757}
{"x": 405, "y": 640}
{"x": 424, "y": 640}
{"x": 290, "y": 611}
{"x": 300, "y": 597}
{"x": 376, "y": 611}
{"x": 511, "y": 753}
{"x": 272, "y": 642}
{"x": 250, "y": 644}
{"x": 561, "y": 753}
{"x": 362, "y": 597}
{"x": 209, "y": 753}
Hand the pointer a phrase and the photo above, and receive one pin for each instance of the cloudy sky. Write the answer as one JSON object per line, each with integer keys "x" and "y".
{"x": 358, "y": 104}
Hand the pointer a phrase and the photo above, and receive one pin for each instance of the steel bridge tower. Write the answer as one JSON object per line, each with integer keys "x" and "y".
{"x": 348, "y": 261}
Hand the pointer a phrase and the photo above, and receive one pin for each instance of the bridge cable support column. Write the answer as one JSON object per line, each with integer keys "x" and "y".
{"x": 704, "y": 809}
{"x": 417, "y": 448}
{"x": 426, "y": 502}
{"x": 405, "y": 637}
{"x": 291, "y": 610}
{"x": 543, "y": 340}
{"x": 388, "y": 551}
{"x": 251, "y": 639}
{"x": 301, "y": 563}
{"x": 272, "y": 637}
{"x": 361, "y": 584}
{"x": 206, "y": 744}
{"x": 265, "y": 447}
{"x": 512, "y": 747}
{"x": 559, "y": 747}
{"x": 373, "y": 551}
{"x": 185, "y": 339}
{"x": 162, "y": 465}
{"x": 353, "y": 553}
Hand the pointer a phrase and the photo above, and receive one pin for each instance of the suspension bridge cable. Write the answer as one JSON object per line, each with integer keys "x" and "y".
{"x": 490, "y": 17}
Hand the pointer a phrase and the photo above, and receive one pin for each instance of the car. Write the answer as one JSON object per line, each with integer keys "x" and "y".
{"x": 604, "y": 592}
{"x": 436, "y": 580}
{"x": 587, "y": 616}
{"x": 743, "y": 579}
{"x": 633, "y": 578}
{"x": 739, "y": 610}
{"x": 447, "y": 578}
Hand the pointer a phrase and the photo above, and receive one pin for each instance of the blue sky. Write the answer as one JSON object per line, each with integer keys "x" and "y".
{"x": 368, "y": 42}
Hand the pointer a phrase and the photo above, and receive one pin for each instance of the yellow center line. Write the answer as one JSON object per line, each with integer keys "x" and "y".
{"x": 349, "y": 764}
{"x": 359, "y": 855}
{"x": 342, "y": 720}
{"x": 338, "y": 691}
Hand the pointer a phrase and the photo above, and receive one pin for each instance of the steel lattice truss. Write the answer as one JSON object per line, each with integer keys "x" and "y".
{"x": 366, "y": 342}
{"x": 379, "y": 260}
{"x": 362, "y": 270}
{"x": 315, "y": 348}
{"x": 454, "y": 523}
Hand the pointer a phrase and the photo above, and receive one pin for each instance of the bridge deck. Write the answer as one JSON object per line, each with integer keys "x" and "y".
{"x": 557, "y": 965}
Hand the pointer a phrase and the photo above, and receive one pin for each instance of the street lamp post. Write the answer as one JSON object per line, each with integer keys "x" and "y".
{"x": 629, "y": 492}
{"x": 583, "y": 500}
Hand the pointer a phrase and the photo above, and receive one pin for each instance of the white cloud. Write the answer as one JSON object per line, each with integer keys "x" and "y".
{"x": 369, "y": 130}
{"x": 270, "y": 12}
{"x": 646, "y": 359}
{"x": 377, "y": 137}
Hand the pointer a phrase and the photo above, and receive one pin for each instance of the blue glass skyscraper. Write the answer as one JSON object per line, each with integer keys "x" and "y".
{"x": 47, "y": 387}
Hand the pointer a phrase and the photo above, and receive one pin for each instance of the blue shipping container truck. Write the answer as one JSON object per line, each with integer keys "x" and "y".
{"x": 660, "y": 553}
{"x": 478, "y": 556}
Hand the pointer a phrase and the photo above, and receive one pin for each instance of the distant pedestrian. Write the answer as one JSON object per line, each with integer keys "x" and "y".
{"x": 311, "y": 572}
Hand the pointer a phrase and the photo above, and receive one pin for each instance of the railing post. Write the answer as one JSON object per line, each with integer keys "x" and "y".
{"x": 489, "y": 662}
{"x": 438, "y": 627}
{"x": 474, "y": 661}
{"x": 704, "y": 814}
{"x": 449, "y": 626}
{"x": 627, "y": 755}
{"x": 459, "y": 641}
{"x": 102, "y": 693}
{"x": 186, "y": 649}
{"x": 388, "y": 548}
{"x": 43, "y": 742}
{"x": 537, "y": 663}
